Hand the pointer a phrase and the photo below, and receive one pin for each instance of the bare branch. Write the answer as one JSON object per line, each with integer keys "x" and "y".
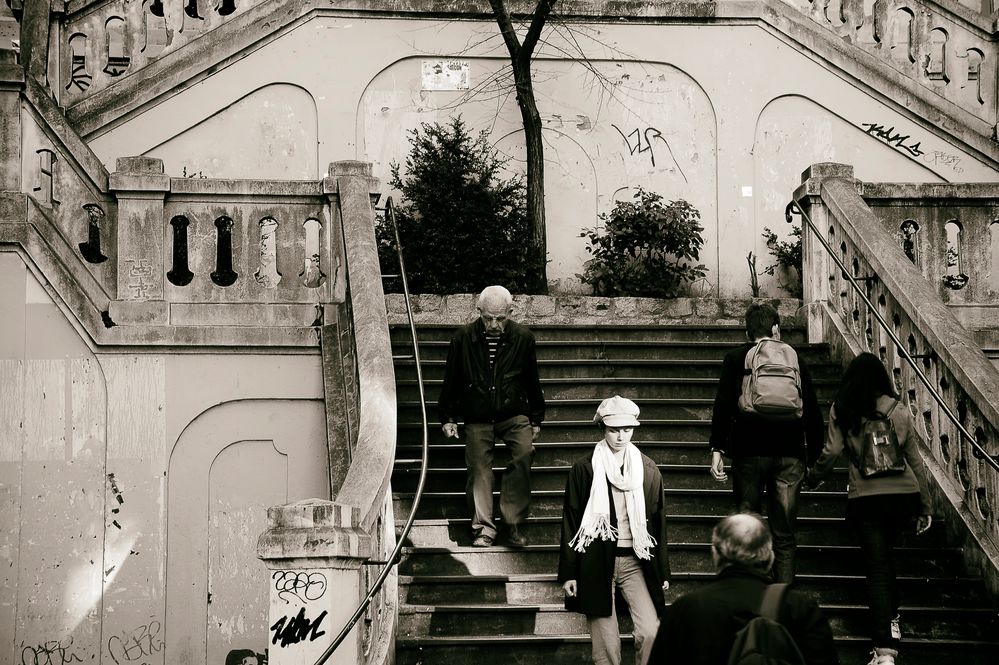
{"x": 541, "y": 13}
{"x": 506, "y": 27}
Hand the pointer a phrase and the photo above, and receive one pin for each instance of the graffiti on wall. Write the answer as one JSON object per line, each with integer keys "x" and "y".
{"x": 137, "y": 645}
{"x": 299, "y": 585}
{"x": 645, "y": 141}
{"x": 290, "y": 630}
{"x": 51, "y": 652}
{"x": 904, "y": 143}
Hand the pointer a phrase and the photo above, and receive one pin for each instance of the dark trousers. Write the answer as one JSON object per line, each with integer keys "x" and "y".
{"x": 877, "y": 534}
{"x": 780, "y": 479}
{"x": 515, "y": 492}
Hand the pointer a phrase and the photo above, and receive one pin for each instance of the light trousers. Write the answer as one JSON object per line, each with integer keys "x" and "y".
{"x": 604, "y": 631}
{"x": 515, "y": 492}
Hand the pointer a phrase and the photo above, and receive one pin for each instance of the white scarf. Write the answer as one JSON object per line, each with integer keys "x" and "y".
{"x": 596, "y": 521}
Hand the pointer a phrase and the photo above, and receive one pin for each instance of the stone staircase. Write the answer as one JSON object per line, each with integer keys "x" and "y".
{"x": 460, "y": 604}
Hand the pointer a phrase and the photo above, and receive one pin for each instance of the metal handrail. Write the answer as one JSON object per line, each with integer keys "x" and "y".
{"x": 978, "y": 452}
{"x": 393, "y": 558}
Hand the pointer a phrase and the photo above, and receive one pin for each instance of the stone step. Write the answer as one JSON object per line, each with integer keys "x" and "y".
{"x": 597, "y": 388}
{"x": 553, "y": 453}
{"x": 674, "y": 429}
{"x": 590, "y": 349}
{"x": 675, "y": 476}
{"x": 543, "y": 333}
{"x": 559, "y": 409}
{"x": 633, "y": 368}
{"x": 716, "y": 502}
{"x": 681, "y": 528}
{"x": 551, "y": 619}
{"x": 575, "y": 649}
{"x": 684, "y": 558}
{"x": 542, "y": 588}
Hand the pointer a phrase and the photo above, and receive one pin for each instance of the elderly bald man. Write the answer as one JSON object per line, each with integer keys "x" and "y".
{"x": 491, "y": 384}
{"x": 700, "y": 627}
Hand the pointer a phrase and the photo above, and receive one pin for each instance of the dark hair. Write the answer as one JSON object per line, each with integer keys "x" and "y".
{"x": 236, "y": 656}
{"x": 863, "y": 382}
{"x": 761, "y": 317}
{"x": 743, "y": 539}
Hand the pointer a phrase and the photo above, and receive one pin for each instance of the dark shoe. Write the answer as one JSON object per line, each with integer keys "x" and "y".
{"x": 516, "y": 538}
{"x": 482, "y": 540}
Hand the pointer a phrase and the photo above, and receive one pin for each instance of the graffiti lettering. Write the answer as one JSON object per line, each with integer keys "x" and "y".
{"x": 941, "y": 158}
{"x": 890, "y": 137}
{"x": 298, "y": 629}
{"x": 303, "y": 586}
{"x": 53, "y": 652}
{"x": 644, "y": 141}
{"x": 139, "y": 644}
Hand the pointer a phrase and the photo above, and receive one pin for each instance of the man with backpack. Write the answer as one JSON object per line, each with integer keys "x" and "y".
{"x": 764, "y": 412}
{"x": 740, "y": 617}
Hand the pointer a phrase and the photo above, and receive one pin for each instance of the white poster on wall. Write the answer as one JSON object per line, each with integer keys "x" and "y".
{"x": 445, "y": 74}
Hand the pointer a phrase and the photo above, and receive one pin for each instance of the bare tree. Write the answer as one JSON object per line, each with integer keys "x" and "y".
{"x": 521, "y": 53}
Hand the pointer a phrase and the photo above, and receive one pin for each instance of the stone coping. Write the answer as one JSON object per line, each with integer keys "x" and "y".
{"x": 460, "y": 308}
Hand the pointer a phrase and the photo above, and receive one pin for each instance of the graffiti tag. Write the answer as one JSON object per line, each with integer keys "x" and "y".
{"x": 640, "y": 142}
{"x": 53, "y": 652}
{"x": 137, "y": 644}
{"x": 303, "y": 586}
{"x": 890, "y": 137}
{"x": 298, "y": 629}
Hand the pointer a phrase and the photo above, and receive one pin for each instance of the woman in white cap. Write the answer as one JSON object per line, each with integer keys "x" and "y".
{"x": 614, "y": 536}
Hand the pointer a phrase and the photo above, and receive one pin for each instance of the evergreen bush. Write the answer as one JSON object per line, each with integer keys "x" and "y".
{"x": 462, "y": 225}
{"x": 647, "y": 247}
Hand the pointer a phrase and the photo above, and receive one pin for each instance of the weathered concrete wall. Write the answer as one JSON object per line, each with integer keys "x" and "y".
{"x": 670, "y": 112}
{"x": 133, "y": 487}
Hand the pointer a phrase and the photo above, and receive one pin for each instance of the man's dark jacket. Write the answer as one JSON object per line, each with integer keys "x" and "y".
{"x": 593, "y": 569}
{"x": 476, "y": 391}
{"x": 700, "y": 627}
{"x": 739, "y": 434}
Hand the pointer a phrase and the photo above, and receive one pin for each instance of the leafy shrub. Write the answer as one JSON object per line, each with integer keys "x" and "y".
{"x": 788, "y": 255}
{"x": 646, "y": 248}
{"x": 462, "y": 226}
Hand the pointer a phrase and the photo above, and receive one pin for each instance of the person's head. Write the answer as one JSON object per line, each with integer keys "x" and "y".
{"x": 762, "y": 320}
{"x": 495, "y": 306}
{"x": 618, "y": 418}
{"x": 242, "y": 657}
{"x": 863, "y": 382}
{"x": 742, "y": 539}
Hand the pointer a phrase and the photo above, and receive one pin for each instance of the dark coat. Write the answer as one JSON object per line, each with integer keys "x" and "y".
{"x": 593, "y": 569}
{"x": 739, "y": 434}
{"x": 700, "y": 626}
{"x": 476, "y": 391}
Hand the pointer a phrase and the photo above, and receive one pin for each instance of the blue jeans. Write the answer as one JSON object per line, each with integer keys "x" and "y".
{"x": 780, "y": 478}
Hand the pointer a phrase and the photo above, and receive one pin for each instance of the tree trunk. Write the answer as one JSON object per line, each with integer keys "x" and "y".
{"x": 538, "y": 279}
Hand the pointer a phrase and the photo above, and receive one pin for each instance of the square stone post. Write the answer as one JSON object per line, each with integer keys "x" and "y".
{"x": 313, "y": 551}
{"x": 816, "y": 262}
{"x": 140, "y": 187}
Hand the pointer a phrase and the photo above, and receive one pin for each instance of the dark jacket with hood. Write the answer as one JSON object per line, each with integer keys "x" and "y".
{"x": 477, "y": 391}
{"x": 593, "y": 569}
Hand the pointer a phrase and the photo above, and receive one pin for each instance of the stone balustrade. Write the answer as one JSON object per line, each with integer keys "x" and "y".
{"x": 964, "y": 486}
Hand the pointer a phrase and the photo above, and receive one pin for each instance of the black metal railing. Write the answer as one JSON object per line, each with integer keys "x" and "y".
{"x": 394, "y": 556}
{"x": 977, "y": 450}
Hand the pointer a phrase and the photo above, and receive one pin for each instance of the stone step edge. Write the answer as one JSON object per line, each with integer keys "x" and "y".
{"x": 449, "y": 521}
{"x": 558, "y": 608}
{"x": 528, "y": 578}
{"x": 670, "y": 491}
{"x": 475, "y": 640}
{"x": 494, "y": 549}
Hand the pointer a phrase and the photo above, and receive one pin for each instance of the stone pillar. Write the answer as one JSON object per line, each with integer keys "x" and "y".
{"x": 313, "y": 551}
{"x": 816, "y": 262}
{"x": 11, "y": 85}
{"x": 140, "y": 187}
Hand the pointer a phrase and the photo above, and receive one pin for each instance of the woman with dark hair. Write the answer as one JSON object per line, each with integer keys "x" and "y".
{"x": 881, "y": 501}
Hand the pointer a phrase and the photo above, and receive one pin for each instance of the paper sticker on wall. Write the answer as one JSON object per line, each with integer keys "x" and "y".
{"x": 445, "y": 74}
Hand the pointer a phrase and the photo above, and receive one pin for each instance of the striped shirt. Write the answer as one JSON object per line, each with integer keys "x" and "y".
{"x": 492, "y": 343}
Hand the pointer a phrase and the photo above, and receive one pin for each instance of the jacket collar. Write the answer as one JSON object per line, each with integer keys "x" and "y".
{"x": 739, "y": 571}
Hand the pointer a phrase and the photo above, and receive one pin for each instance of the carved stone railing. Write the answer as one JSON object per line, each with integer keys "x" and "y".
{"x": 943, "y": 45}
{"x": 951, "y": 233}
{"x": 964, "y": 487}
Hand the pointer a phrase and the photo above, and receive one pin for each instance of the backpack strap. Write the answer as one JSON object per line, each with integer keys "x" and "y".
{"x": 772, "y": 597}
